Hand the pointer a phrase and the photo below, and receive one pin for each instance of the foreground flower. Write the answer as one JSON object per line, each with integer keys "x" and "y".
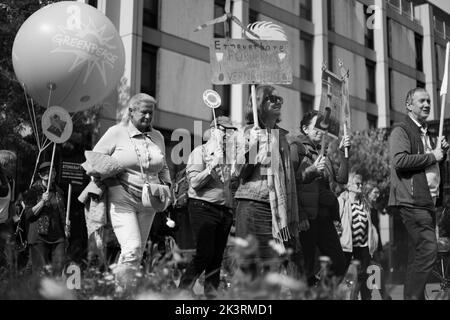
{"x": 239, "y": 242}
{"x": 284, "y": 281}
{"x": 278, "y": 247}
{"x": 54, "y": 290}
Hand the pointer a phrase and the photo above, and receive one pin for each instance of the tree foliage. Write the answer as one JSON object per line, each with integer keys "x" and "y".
{"x": 369, "y": 156}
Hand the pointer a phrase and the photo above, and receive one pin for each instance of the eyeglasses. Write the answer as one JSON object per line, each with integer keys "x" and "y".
{"x": 274, "y": 99}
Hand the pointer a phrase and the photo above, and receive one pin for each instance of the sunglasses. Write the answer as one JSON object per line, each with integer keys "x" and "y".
{"x": 274, "y": 99}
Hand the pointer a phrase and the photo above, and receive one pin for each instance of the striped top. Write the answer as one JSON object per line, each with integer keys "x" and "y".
{"x": 359, "y": 224}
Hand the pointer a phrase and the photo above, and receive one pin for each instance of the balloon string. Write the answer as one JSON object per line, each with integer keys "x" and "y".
{"x": 33, "y": 128}
{"x": 48, "y": 143}
{"x": 35, "y": 168}
{"x": 35, "y": 122}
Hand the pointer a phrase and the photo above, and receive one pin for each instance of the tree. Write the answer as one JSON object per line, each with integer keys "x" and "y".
{"x": 369, "y": 156}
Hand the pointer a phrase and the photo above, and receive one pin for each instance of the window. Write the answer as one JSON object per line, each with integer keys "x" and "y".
{"x": 368, "y": 32}
{"x": 307, "y": 102}
{"x": 93, "y": 3}
{"x": 306, "y": 9}
{"x": 420, "y": 84}
{"x": 151, "y": 13}
{"x": 306, "y": 56}
{"x": 225, "y": 94}
{"x": 330, "y": 57}
{"x": 148, "y": 76}
{"x": 219, "y": 28}
{"x": 372, "y": 121}
{"x": 419, "y": 56}
{"x": 371, "y": 83}
{"x": 330, "y": 14}
{"x": 389, "y": 37}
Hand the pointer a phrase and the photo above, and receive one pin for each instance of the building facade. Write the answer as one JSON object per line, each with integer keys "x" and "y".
{"x": 388, "y": 46}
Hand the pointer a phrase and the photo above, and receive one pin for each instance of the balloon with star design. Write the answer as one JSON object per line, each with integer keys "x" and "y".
{"x": 68, "y": 54}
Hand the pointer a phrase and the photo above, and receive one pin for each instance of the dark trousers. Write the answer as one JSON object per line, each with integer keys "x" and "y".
{"x": 48, "y": 254}
{"x": 362, "y": 254}
{"x": 322, "y": 233}
{"x": 5, "y": 246}
{"x": 422, "y": 250}
{"x": 211, "y": 226}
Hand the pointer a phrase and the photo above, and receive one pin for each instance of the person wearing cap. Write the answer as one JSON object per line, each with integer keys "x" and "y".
{"x": 210, "y": 205}
{"x": 140, "y": 151}
{"x": 46, "y": 215}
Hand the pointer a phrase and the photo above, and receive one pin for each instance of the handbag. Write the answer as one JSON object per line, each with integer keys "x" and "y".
{"x": 154, "y": 195}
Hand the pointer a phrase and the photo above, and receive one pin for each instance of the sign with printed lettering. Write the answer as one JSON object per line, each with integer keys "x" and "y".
{"x": 244, "y": 61}
{"x": 72, "y": 172}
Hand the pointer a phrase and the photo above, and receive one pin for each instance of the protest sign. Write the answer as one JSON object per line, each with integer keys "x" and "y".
{"x": 244, "y": 61}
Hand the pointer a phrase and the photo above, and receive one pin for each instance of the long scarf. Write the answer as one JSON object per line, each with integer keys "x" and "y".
{"x": 276, "y": 181}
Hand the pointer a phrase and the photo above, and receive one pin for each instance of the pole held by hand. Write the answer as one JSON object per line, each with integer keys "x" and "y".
{"x": 444, "y": 89}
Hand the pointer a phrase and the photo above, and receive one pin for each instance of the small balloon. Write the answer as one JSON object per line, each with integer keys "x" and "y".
{"x": 71, "y": 52}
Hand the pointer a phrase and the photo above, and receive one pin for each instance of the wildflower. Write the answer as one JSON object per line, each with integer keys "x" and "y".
{"x": 278, "y": 247}
{"x": 170, "y": 223}
{"x": 150, "y": 295}
{"x": 54, "y": 290}
{"x": 240, "y": 242}
{"x": 284, "y": 281}
{"x": 109, "y": 277}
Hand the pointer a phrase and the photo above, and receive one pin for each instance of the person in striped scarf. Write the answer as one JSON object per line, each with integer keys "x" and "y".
{"x": 359, "y": 237}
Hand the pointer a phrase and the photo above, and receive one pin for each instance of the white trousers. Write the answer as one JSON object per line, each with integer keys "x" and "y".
{"x": 131, "y": 223}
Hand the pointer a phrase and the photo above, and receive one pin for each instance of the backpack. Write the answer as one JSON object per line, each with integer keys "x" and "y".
{"x": 180, "y": 190}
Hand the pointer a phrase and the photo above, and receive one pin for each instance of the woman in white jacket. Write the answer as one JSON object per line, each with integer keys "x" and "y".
{"x": 359, "y": 238}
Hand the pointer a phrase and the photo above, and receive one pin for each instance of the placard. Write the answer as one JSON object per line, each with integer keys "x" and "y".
{"x": 72, "y": 172}
{"x": 57, "y": 124}
{"x": 328, "y": 119}
{"x": 242, "y": 61}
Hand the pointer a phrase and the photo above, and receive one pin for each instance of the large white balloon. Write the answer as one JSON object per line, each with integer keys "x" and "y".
{"x": 71, "y": 49}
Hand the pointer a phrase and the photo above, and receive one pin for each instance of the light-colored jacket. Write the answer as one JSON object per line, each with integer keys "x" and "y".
{"x": 345, "y": 211}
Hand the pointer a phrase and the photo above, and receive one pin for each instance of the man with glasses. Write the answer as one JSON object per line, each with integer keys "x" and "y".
{"x": 415, "y": 184}
{"x": 359, "y": 238}
{"x": 210, "y": 206}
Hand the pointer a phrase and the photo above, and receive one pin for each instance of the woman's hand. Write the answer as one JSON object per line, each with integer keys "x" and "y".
{"x": 67, "y": 230}
{"x": 319, "y": 164}
{"x": 345, "y": 143}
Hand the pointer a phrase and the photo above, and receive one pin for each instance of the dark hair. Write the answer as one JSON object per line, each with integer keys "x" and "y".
{"x": 262, "y": 92}
{"x": 307, "y": 118}
{"x": 411, "y": 93}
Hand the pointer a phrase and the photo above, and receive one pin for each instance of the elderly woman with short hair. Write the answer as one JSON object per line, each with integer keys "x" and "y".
{"x": 140, "y": 150}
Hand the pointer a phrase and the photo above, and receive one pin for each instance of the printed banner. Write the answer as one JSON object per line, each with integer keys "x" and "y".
{"x": 242, "y": 61}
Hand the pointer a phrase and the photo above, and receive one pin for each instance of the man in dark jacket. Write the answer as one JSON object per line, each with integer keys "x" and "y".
{"x": 415, "y": 180}
{"x": 314, "y": 173}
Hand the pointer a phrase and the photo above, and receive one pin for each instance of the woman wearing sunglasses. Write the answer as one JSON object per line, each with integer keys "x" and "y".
{"x": 267, "y": 201}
